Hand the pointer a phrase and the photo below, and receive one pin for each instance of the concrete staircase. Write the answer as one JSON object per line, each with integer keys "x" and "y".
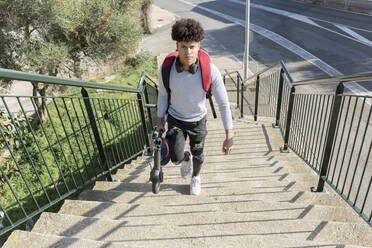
{"x": 256, "y": 197}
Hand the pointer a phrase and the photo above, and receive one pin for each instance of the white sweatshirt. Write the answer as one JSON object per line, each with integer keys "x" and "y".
{"x": 188, "y": 98}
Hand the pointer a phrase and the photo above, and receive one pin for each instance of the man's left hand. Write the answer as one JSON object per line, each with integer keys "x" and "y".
{"x": 227, "y": 146}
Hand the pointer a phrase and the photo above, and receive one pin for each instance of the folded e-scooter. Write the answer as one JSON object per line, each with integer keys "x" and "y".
{"x": 161, "y": 158}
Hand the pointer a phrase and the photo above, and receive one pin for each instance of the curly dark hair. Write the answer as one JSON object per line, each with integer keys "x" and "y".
{"x": 187, "y": 30}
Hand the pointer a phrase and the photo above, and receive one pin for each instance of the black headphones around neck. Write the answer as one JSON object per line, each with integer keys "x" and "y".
{"x": 192, "y": 69}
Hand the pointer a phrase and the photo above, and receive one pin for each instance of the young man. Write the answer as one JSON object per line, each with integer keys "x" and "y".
{"x": 186, "y": 107}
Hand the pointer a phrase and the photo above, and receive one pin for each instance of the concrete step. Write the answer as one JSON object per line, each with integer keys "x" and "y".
{"x": 33, "y": 239}
{"x": 170, "y": 170}
{"x": 25, "y": 239}
{"x": 123, "y": 230}
{"x": 254, "y": 210}
{"x": 175, "y": 195}
{"x": 217, "y": 182}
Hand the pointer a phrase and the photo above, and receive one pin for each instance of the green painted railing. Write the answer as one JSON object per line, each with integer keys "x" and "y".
{"x": 53, "y": 146}
{"x": 331, "y": 132}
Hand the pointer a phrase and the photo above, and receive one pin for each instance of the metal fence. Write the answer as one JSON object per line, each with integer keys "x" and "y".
{"x": 331, "y": 132}
{"x": 55, "y": 145}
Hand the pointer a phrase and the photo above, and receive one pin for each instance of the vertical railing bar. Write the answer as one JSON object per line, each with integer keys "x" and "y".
{"x": 148, "y": 109}
{"x": 295, "y": 130}
{"x": 342, "y": 135}
{"x": 81, "y": 131}
{"x": 309, "y": 152}
{"x": 143, "y": 119}
{"x": 320, "y": 134}
{"x": 237, "y": 91}
{"x": 118, "y": 131}
{"x": 360, "y": 151}
{"x": 241, "y": 99}
{"x": 117, "y": 128}
{"x": 110, "y": 124}
{"x": 74, "y": 134}
{"x": 68, "y": 139}
{"x": 27, "y": 153}
{"x": 133, "y": 127}
{"x": 23, "y": 177}
{"x": 39, "y": 149}
{"x": 301, "y": 125}
{"x": 94, "y": 146}
{"x": 313, "y": 128}
{"x": 336, "y": 135}
{"x": 347, "y": 140}
{"x": 144, "y": 132}
{"x": 123, "y": 132}
{"x": 370, "y": 182}
{"x": 49, "y": 144}
{"x": 136, "y": 128}
{"x": 107, "y": 132}
{"x": 273, "y": 95}
{"x": 326, "y": 127}
{"x": 280, "y": 95}
{"x": 256, "y": 98}
{"x": 127, "y": 114}
{"x": 102, "y": 133}
{"x": 289, "y": 119}
{"x": 309, "y": 120}
{"x": 317, "y": 130}
{"x": 104, "y": 141}
{"x": 329, "y": 140}
{"x": 352, "y": 152}
{"x": 97, "y": 132}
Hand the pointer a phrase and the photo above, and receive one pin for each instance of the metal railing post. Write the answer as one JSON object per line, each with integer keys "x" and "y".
{"x": 237, "y": 91}
{"x": 97, "y": 138}
{"x": 285, "y": 149}
{"x": 256, "y": 98}
{"x": 143, "y": 119}
{"x": 241, "y": 100}
{"x": 330, "y": 137}
{"x": 279, "y": 104}
{"x": 148, "y": 109}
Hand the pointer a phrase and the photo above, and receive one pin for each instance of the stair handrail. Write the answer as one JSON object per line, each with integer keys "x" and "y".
{"x": 96, "y": 133}
{"x": 278, "y": 99}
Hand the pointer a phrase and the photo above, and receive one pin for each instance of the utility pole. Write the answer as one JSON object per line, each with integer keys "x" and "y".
{"x": 246, "y": 47}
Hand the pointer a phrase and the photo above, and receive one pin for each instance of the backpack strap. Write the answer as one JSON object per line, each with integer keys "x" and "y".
{"x": 205, "y": 67}
{"x": 165, "y": 72}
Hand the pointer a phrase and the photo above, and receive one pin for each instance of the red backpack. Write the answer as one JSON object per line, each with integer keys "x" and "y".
{"x": 205, "y": 67}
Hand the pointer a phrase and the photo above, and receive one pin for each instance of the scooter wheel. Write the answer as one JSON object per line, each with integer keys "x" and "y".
{"x": 156, "y": 185}
{"x": 161, "y": 176}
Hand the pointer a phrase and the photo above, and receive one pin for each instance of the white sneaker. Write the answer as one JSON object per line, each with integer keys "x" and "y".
{"x": 195, "y": 185}
{"x": 186, "y": 167}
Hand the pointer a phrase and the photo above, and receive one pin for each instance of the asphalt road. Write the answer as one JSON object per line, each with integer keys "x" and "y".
{"x": 314, "y": 42}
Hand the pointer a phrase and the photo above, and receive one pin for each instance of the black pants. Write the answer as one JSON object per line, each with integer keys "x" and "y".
{"x": 176, "y": 135}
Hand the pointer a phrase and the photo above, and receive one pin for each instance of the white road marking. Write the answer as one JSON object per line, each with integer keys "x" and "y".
{"x": 308, "y": 20}
{"x": 354, "y": 34}
{"x": 223, "y": 47}
{"x": 280, "y": 12}
{"x": 280, "y": 40}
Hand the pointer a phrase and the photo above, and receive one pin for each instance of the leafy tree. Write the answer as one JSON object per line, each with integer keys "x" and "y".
{"x": 49, "y": 34}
